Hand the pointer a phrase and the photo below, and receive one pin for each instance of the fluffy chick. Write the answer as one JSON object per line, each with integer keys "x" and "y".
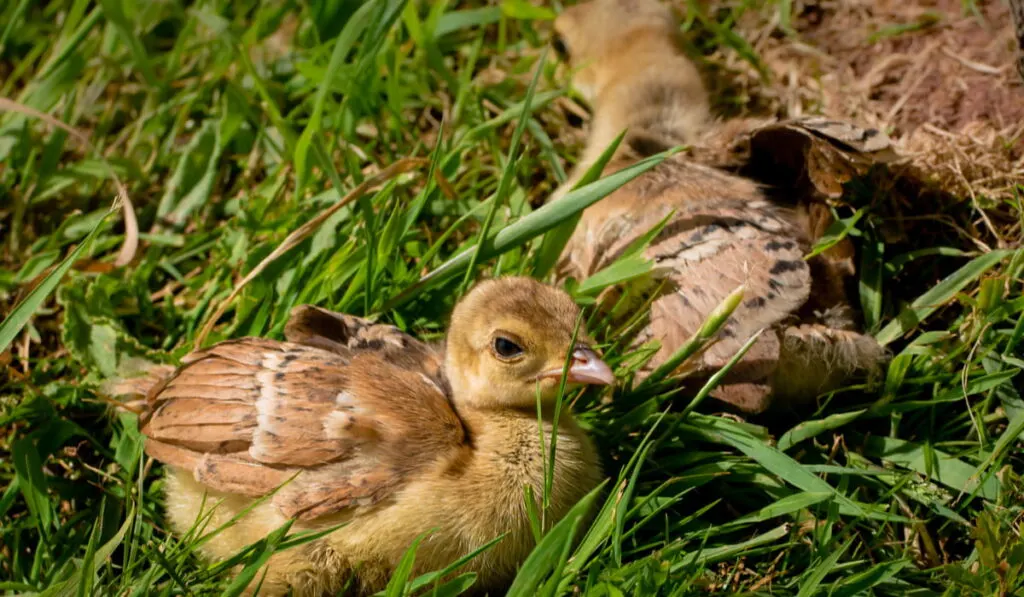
{"x": 380, "y": 431}
{"x": 723, "y": 231}
{"x": 626, "y": 63}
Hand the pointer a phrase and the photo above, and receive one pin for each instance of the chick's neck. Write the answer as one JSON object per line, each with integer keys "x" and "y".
{"x": 487, "y": 408}
{"x": 511, "y": 437}
{"x": 646, "y": 85}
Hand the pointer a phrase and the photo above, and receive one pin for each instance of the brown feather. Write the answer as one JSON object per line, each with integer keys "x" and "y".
{"x": 357, "y": 423}
{"x": 294, "y": 408}
{"x": 722, "y": 230}
{"x": 239, "y": 476}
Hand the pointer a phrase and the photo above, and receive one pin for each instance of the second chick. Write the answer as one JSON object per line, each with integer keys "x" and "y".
{"x": 724, "y": 231}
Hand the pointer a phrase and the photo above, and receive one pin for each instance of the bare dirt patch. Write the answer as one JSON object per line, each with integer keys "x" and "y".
{"x": 938, "y": 75}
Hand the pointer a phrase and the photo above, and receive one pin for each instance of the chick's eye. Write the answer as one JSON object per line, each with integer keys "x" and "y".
{"x": 506, "y": 349}
{"x": 558, "y": 44}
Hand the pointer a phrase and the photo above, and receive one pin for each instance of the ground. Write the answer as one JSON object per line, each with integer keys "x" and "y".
{"x": 234, "y": 123}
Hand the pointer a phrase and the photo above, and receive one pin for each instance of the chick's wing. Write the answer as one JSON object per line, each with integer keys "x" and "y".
{"x": 340, "y": 332}
{"x": 706, "y": 252}
{"x": 350, "y": 423}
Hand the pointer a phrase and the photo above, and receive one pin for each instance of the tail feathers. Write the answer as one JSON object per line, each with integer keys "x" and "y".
{"x": 137, "y": 378}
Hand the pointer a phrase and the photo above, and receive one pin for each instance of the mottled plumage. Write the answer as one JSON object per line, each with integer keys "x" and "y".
{"x": 363, "y": 424}
{"x": 723, "y": 230}
{"x": 246, "y": 415}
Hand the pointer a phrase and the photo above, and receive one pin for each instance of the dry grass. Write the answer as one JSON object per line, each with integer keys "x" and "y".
{"x": 938, "y": 75}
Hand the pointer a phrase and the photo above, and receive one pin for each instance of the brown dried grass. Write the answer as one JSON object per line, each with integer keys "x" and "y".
{"x": 942, "y": 82}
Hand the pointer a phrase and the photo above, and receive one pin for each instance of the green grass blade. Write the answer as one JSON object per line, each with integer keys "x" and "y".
{"x": 102, "y": 555}
{"x": 532, "y": 225}
{"x": 29, "y": 470}
{"x": 87, "y": 576}
{"x": 785, "y": 467}
{"x": 860, "y": 584}
{"x": 433, "y": 577}
{"x": 935, "y": 465}
{"x": 359, "y": 21}
{"x": 871, "y": 278}
{"x": 456, "y": 586}
{"x": 14, "y": 19}
{"x": 835, "y": 233}
{"x": 20, "y": 315}
{"x": 712, "y": 323}
{"x": 623, "y": 270}
{"x": 724, "y": 552}
{"x": 623, "y": 505}
{"x": 507, "y": 174}
{"x": 543, "y": 559}
{"x": 263, "y": 549}
{"x": 112, "y": 9}
{"x": 808, "y": 429}
{"x": 927, "y": 303}
{"x": 1012, "y": 433}
{"x": 555, "y": 240}
{"x": 396, "y": 585}
{"x": 782, "y": 507}
{"x": 817, "y": 574}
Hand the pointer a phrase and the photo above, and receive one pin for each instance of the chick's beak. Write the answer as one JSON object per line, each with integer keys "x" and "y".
{"x": 585, "y": 368}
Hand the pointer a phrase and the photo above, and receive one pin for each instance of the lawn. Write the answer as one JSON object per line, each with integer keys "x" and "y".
{"x": 377, "y": 159}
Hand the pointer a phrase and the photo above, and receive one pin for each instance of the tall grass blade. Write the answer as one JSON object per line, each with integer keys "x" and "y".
{"x": 940, "y": 294}
{"x": 555, "y": 240}
{"x": 530, "y": 226}
{"x": 20, "y": 315}
{"x": 543, "y": 559}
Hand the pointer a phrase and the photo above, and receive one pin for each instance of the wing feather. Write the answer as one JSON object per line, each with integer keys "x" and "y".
{"x": 707, "y": 254}
{"x": 340, "y": 332}
{"x": 350, "y": 417}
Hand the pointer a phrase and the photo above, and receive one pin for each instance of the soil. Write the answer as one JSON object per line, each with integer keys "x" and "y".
{"x": 939, "y": 76}
{"x": 955, "y": 71}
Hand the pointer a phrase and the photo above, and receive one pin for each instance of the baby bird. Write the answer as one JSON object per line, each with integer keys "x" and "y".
{"x": 391, "y": 436}
{"x": 723, "y": 231}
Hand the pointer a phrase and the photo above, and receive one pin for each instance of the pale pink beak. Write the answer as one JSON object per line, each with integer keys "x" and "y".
{"x": 586, "y": 368}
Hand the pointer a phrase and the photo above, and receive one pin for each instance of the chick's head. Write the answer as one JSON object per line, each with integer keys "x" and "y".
{"x": 588, "y": 33}
{"x": 509, "y": 338}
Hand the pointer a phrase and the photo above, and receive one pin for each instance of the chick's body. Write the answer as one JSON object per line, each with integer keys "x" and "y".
{"x": 721, "y": 232}
{"x": 394, "y": 438}
{"x": 468, "y": 500}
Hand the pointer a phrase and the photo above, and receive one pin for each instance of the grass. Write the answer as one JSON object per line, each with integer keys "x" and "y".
{"x": 230, "y": 138}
